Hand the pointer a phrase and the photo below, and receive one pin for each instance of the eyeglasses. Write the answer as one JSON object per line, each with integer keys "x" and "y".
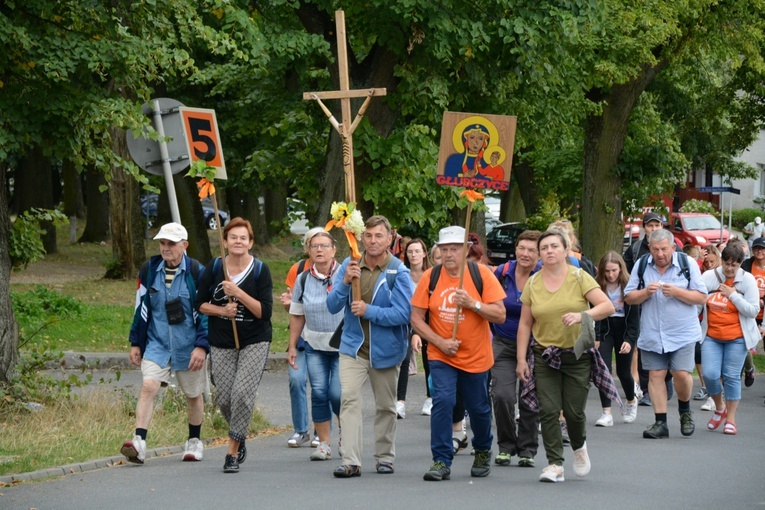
{"x": 326, "y": 246}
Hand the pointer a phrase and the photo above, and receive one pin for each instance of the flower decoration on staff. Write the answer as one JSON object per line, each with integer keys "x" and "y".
{"x": 347, "y": 217}
{"x": 472, "y": 195}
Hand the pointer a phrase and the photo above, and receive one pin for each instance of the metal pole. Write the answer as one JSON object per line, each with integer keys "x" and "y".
{"x": 166, "y": 169}
{"x": 722, "y": 214}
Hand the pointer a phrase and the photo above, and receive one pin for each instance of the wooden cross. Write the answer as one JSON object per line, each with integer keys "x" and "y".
{"x": 346, "y": 128}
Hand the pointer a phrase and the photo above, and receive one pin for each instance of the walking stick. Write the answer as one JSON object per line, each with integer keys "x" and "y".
{"x": 207, "y": 189}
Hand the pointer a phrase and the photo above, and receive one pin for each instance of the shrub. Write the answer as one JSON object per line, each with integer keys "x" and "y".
{"x": 25, "y": 240}
{"x": 36, "y": 309}
{"x": 743, "y": 216}
{"x": 698, "y": 206}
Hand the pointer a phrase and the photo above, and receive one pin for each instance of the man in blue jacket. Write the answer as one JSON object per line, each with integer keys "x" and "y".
{"x": 168, "y": 335}
{"x": 373, "y": 343}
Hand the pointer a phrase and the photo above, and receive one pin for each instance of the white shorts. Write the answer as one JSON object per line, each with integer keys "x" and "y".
{"x": 192, "y": 383}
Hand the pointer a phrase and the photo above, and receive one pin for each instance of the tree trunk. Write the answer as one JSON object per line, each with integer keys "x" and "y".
{"x": 126, "y": 224}
{"x": 74, "y": 205}
{"x": 9, "y": 328}
{"x": 97, "y": 211}
{"x": 523, "y": 174}
{"x": 275, "y": 207}
{"x": 192, "y": 218}
{"x": 601, "y": 225}
{"x": 33, "y": 188}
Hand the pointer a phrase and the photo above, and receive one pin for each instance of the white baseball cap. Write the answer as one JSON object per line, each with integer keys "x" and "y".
{"x": 451, "y": 235}
{"x": 757, "y": 220}
{"x": 172, "y": 232}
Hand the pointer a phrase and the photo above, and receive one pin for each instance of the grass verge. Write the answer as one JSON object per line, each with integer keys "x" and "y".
{"x": 95, "y": 425}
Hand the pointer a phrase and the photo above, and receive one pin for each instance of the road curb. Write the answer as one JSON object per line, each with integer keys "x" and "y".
{"x": 121, "y": 361}
{"x": 89, "y": 465}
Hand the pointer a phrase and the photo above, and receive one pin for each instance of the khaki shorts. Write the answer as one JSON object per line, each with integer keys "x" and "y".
{"x": 191, "y": 383}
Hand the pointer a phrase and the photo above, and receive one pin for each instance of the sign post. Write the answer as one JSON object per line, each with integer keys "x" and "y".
{"x": 721, "y": 190}
{"x": 476, "y": 152}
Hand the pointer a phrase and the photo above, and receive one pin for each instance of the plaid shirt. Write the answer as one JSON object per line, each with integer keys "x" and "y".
{"x": 601, "y": 375}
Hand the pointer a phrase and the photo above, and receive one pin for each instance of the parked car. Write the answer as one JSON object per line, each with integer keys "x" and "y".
{"x": 149, "y": 210}
{"x": 500, "y": 242}
{"x": 698, "y": 229}
{"x": 490, "y": 223}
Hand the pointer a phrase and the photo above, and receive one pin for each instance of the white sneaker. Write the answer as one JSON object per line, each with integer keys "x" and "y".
{"x": 552, "y": 473}
{"x": 134, "y": 450}
{"x": 315, "y": 442}
{"x": 427, "y": 407}
{"x": 323, "y": 452}
{"x": 400, "y": 410}
{"x": 631, "y": 412}
{"x": 709, "y": 405}
{"x": 638, "y": 392}
{"x": 581, "y": 461}
{"x": 517, "y": 414}
{"x": 605, "y": 420}
{"x": 194, "y": 450}
{"x": 298, "y": 439}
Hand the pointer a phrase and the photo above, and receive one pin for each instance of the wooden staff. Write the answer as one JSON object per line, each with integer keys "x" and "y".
{"x": 223, "y": 259}
{"x": 462, "y": 265}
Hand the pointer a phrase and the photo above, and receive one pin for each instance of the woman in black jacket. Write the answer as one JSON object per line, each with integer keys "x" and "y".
{"x": 617, "y": 333}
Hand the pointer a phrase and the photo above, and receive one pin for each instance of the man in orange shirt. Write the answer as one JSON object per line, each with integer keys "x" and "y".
{"x": 464, "y": 361}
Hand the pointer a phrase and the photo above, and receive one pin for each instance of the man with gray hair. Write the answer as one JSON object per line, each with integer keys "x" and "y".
{"x": 668, "y": 287}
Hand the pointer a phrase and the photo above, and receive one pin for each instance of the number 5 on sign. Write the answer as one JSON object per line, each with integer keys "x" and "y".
{"x": 202, "y": 138}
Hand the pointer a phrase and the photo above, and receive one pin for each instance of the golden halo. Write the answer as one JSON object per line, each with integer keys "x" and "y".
{"x": 467, "y": 121}
{"x": 491, "y": 150}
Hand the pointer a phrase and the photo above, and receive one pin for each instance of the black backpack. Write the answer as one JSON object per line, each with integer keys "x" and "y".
{"x": 682, "y": 259}
{"x": 475, "y": 274}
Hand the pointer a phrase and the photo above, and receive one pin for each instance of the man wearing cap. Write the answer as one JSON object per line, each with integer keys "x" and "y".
{"x": 168, "y": 335}
{"x": 373, "y": 343}
{"x": 754, "y": 230}
{"x": 462, "y": 362}
{"x": 669, "y": 327}
{"x": 651, "y": 222}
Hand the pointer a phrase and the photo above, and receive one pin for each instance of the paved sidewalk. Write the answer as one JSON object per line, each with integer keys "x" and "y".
{"x": 707, "y": 470}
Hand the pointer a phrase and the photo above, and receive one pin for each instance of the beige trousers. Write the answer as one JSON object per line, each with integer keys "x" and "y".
{"x": 354, "y": 372}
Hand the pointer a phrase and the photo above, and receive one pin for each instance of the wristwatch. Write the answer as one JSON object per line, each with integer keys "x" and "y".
{"x": 477, "y": 306}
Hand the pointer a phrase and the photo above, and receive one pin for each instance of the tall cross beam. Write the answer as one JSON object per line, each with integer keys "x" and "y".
{"x": 346, "y": 127}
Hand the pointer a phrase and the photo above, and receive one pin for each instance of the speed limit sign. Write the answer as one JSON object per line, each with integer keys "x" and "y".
{"x": 202, "y": 138}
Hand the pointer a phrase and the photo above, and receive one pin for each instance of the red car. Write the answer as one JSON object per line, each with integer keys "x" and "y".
{"x": 698, "y": 229}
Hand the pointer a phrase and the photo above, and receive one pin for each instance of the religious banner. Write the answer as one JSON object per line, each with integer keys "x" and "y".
{"x": 476, "y": 151}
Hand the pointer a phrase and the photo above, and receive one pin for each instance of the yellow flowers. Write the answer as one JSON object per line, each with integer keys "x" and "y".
{"x": 347, "y": 217}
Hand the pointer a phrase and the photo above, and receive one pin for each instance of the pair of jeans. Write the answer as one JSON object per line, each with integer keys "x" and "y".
{"x": 324, "y": 374}
{"x": 723, "y": 358}
{"x": 298, "y": 397}
{"x": 474, "y": 388}
{"x": 566, "y": 389}
{"x": 504, "y": 393}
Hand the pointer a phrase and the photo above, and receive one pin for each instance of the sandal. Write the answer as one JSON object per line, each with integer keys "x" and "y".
{"x": 347, "y": 471}
{"x": 730, "y": 429}
{"x": 384, "y": 468}
{"x": 716, "y": 420}
{"x": 459, "y": 444}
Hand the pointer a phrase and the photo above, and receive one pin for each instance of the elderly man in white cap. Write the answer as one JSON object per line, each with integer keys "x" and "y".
{"x": 168, "y": 335}
{"x": 753, "y": 230}
{"x": 464, "y": 361}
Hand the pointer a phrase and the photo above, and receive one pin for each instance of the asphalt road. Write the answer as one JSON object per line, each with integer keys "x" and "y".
{"x": 707, "y": 470}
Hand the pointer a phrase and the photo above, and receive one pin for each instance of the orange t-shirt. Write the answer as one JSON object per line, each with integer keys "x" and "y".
{"x": 292, "y": 274}
{"x": 475, "y": 352}
{"x": 722, "y": 317}
{"x": 759, "y": 277}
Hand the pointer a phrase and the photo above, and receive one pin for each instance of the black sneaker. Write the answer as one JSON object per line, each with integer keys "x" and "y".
{"x": 481, "y": 464}
{"x": 230, "y": 465}
{"x": 687, "y": 427}
{"x": 438, "y": 471}
{"x": 241, "y": 453}
{"x": 658, "y": 430}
